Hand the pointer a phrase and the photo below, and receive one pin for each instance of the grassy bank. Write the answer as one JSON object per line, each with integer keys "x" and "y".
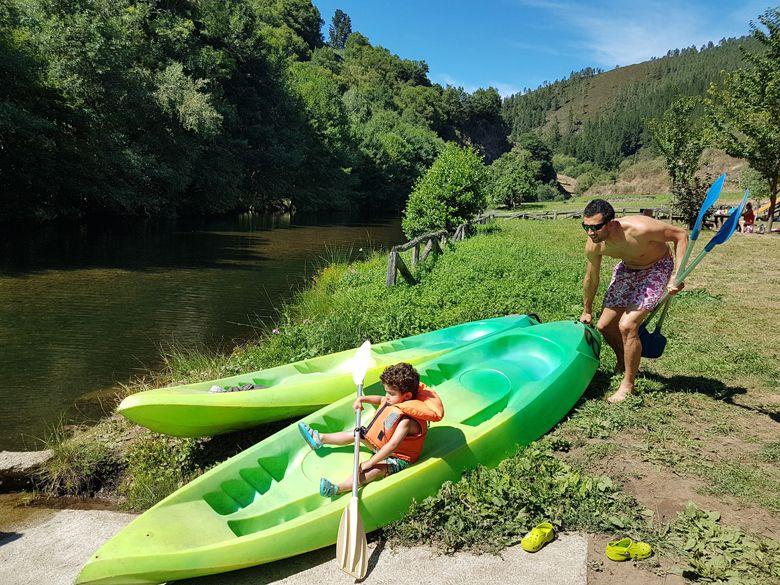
{"x": 703, "y": 427}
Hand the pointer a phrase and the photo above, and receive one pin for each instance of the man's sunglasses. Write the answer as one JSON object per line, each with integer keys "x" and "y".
{"x": 593, "y": 227}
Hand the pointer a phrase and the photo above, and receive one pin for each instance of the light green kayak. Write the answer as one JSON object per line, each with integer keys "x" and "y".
{"x": 294, "y": 389}
{"x": 263, "y": 504}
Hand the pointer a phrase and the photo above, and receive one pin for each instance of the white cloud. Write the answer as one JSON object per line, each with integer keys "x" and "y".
{"x": 621, "y": 33}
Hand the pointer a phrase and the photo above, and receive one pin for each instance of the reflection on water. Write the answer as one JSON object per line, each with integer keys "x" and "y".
{"x": 84, "y": 306}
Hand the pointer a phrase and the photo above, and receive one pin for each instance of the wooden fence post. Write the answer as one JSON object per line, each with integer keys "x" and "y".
{"x": 390, "y": 280}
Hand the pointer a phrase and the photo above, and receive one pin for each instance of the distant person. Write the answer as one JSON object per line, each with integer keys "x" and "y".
{"x": 748, "y": 219}
{"x": 645, "y": 270}
{"x": 396, "y": 433}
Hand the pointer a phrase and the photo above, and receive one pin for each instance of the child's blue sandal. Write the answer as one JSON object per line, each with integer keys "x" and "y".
{"x": 311, "y": 436}
{"x": 327, "y": 488}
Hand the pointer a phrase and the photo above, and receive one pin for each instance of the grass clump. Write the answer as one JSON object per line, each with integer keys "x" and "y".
{"x": 81, "y": 464}
{"x": 720, "y": 554}
{"x": 491, "y": 508}
{"x": 157, "y": 466}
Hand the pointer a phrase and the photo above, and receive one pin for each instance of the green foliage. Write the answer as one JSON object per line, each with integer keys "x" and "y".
{"x": 514, "y": 179}
{"x": 679, "y": 136}
{"x": 340, "y": 29}
{"x": 717, "y": 554}
{"x": 601, "y": 117}
{"x": 136, "y": 107}
{"x": 491, "y": 508}
{"x": 80, "y": 465}
{"x": 744, "y": 113}
{"x": 451, "y": 192}
{"x": 758, "y": 185}
{"x": 158, "y": 466}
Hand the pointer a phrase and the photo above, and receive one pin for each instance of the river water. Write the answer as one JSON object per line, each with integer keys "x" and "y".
{"x": 84, "y": 306}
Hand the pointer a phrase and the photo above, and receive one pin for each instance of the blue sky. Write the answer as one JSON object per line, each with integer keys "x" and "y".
{"x": 512, "y": 44}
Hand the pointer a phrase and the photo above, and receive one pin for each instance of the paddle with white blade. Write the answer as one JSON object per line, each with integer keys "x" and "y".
{"x": 351, "y": 549}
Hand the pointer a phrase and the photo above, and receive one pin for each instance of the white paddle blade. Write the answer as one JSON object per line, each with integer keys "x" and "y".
{"x": 361, "y": 362}
{"x": 351, "y": 548}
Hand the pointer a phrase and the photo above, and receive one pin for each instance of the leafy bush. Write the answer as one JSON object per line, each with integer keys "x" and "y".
{"x": 721, "y": 554}
{"x": 514, "y": 179}
{"x": 158, "y": 466}
{"x": 491, "y": 508}
{"x": 547, "y": 192}
{"x": 451, "y": 192}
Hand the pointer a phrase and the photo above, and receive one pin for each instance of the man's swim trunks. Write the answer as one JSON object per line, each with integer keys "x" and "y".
{"x": 639, "y": 289}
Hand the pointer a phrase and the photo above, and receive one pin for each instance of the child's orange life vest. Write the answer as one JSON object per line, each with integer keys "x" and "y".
{"x": 426, "y": 407}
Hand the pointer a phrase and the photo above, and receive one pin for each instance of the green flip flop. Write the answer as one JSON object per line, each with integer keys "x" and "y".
{"x": 625, "y": 548}
{"x": 540, "y": 535}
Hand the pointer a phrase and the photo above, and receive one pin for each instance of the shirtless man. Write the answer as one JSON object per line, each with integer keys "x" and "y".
{"x": 645, "y": 270}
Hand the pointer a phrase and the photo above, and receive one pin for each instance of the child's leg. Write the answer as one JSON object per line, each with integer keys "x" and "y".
{"x": 378, "y": 471}
{"x": 343, "y": 438}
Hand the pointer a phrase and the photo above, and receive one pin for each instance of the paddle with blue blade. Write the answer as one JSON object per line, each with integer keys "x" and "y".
{"x": 351, "y": 544}
{"x": 653, "y": 344}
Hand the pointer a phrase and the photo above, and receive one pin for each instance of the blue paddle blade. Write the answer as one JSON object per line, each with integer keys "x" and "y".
{"x": 709, "y": 200}
{"x": 653, "y": 344}
{"x": 729, "y": 226}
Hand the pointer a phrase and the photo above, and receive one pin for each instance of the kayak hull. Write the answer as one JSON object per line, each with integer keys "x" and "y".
{"x": 292, "y": 390}
{"x": 263, "y": 504}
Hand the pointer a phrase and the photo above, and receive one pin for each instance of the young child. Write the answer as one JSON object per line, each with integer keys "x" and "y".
{"x": 396, "y": 433}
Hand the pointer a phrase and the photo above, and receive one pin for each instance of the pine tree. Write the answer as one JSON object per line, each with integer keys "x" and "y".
{"x": 340, "y": 29}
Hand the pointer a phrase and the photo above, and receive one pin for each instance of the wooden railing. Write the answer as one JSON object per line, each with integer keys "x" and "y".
{"x": 434, "y": 243}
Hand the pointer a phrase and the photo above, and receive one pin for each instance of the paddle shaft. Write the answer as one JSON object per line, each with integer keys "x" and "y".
{"x": 680, "y": 278}
{"x": 356, "y": 475}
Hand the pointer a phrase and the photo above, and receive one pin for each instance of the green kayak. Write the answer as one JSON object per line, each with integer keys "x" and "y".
{"x": 263, "y": 504}
{"x": 291, "y": 390}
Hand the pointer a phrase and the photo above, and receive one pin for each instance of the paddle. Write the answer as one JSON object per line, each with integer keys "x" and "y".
{"x": 351, "y": 550}
{"x": 653, "y": 344}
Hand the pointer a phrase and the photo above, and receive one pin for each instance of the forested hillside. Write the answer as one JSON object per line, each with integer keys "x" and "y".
{"x": 156, "y": 106}
{"x": 601, "y": 117}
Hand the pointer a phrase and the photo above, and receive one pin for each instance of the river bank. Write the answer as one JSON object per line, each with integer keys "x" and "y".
{"x": 704, "y": 420}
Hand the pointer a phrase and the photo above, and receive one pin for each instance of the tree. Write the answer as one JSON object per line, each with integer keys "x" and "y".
{"x": 340, "y": 29}
{"x": 514, "y": 178}
{"x": 679, "y": 136}
{"x": 451, "y": 192}
{"x": 744, "y": 113}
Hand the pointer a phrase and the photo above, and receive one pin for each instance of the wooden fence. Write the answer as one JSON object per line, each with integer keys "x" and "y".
{"x": 434, "y": 243}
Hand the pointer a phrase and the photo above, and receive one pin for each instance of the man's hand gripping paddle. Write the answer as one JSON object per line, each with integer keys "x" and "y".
{"x": 351, "y": 551}
{"x": 653, "y": 344}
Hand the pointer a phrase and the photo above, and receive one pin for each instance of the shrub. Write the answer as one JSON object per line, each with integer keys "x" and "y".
{"x": 451, "y": 192}
{"x": 514, "y": 179}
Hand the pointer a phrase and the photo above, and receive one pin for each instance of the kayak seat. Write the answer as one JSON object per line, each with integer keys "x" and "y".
{"x": 476, "y": 395}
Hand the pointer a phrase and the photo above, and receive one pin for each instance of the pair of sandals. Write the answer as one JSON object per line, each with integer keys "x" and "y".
{"x": 617, "y": 550}
{"x": 328, "y": 489}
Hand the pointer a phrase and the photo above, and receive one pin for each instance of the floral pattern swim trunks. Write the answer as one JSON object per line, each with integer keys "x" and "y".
{"x": 639, "y": 289}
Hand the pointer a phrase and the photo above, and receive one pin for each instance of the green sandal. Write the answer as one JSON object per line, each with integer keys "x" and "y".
{"x": 625, "y": 548}
{"x": 538, "y": 537}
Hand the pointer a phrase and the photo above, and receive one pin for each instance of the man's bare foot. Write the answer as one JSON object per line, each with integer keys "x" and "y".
{"x": 623, "y": 392}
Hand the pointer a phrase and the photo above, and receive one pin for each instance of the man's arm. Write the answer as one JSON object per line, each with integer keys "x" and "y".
{"x": 590, "y": 284}
{"x": 679, "y": 238}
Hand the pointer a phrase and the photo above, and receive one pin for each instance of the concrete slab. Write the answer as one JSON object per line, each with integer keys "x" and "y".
{"x": 562, "y": 562}
{"x": 53, "y": 549}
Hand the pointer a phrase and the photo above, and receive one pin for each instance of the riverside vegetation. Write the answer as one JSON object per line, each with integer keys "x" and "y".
{"x": 702, "y": 426}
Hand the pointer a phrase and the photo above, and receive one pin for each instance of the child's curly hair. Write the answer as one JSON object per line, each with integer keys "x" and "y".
{"x": 403, "y": 377}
